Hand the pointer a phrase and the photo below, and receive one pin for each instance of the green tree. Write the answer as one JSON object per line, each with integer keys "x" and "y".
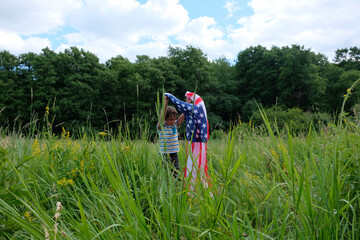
{"x": 334, "y": 89}
{"x": 8, "y": 87}
{"x": 300, "y": 83}
{"x": 346, "y": 79}
{"x": 256, "y": 72}
{"x": 25, "y": 81}
{"x": 42, "y": 70}
{"x": 78, "y": 80}
{"x": 193, "y": 69}
{"x": 222, "y": 99}
{"x": 147, "y": 80}
{"x": 348, "y": 58}
{"x": 121, "y": 95}
{"x": 169, "y": 79}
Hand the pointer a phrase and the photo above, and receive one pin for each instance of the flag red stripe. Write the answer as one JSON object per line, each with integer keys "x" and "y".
{"x": 200, "y": 158}
{"x": 197, "y": 101}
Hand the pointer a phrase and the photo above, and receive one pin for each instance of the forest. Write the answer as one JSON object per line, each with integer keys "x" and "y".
{"x": 73, "y": 90}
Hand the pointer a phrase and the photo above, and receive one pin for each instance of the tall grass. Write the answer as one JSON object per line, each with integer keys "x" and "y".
{"x": 263, "y": 186}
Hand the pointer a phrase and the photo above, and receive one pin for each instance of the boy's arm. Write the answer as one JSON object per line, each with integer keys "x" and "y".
{"x": 180, "y": 119}
{"x": 162, "y": 115}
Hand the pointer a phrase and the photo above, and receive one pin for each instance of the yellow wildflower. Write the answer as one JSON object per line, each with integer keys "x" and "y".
{"x": 103, "y": 134}
{"x": 92, "y": 166}
{"x": 63, "y": 134}
{"x": 82, "y": 164}
{"x": 62, "y": 182}
{"x": 274, "y": 154}
{"x": 28, "y": 216}
{"x": 71, "y": 182}
{"x": 125, "y": 148}
{"x": 73, "y": 172}
{"x": 282, "y": 148}
{"x": 35, "y": 148}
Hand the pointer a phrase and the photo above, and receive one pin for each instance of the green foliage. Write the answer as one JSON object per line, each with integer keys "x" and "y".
{"x": 256, "y": 72}
{"x": 82, "y": 93}
{"x": 222, "y": 98}
{"x": 286, "y": 76}
{"x": 299, "y": 78}
{"x": 348, "y": 58}
{"x": 248, "y": 109}
{"x": 293, "y": 120}
{"x": 334, "y": 98}
{"x": 218, "y": 134}
{"x": 192, "y": 67}
{"x": 8, "y": 82}
{"x": 345, "y": 81}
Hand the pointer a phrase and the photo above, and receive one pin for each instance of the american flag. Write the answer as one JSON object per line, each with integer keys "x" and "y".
{"x": 196, "y": 119}
{"x": 197, "y": 134}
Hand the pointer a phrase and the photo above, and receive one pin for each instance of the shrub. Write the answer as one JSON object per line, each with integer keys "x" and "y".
{"x": 218, "y": 134}
{"x": 294, "y": 119}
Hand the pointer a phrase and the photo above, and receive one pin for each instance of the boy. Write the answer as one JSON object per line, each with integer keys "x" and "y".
{"x": 169, "y": 137}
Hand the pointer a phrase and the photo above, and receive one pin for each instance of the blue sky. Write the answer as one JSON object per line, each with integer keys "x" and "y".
{"x": 220, "y": 28}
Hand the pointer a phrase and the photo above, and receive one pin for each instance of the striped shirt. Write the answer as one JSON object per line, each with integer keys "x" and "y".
{"x": 171, "y": 139}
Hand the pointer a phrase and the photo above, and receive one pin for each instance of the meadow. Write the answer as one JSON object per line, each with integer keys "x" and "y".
{"x": 265, "y": 184}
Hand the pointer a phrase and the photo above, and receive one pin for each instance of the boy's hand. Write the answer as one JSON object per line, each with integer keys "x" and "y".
{"x": 166, "y": 99}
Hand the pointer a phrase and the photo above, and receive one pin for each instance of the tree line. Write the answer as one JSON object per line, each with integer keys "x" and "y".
{"x": 79, "y": 91}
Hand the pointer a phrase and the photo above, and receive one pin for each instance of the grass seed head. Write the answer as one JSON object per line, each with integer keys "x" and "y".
{"x": 58, "y": 206}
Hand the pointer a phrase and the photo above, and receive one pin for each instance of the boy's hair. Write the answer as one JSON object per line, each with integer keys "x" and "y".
{"x": 170, "y": 111}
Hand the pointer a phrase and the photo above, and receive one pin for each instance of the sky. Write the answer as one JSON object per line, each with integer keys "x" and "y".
{"x": 220, "y": 28}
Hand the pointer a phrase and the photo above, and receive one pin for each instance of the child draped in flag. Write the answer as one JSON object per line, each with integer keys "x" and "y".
{"x": 197, "y": 135}
{"x": 169, "y": 140}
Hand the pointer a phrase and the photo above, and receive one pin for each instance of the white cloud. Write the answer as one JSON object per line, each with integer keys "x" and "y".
{"x": 129, "y": 28}
{"x": 231, "y": 7}
{"x": 205, "y": 34}
{"x": 200, "y": 31}
{"x": 322, "y": 25}
{"x": 107, "y": 28}
{"x": 22, "y": 21}
{"x": 17, "y": 45}
{"x": 119, "y": 27}
{"x": 28, "y": 17}
{"x": 130, "y": 21}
